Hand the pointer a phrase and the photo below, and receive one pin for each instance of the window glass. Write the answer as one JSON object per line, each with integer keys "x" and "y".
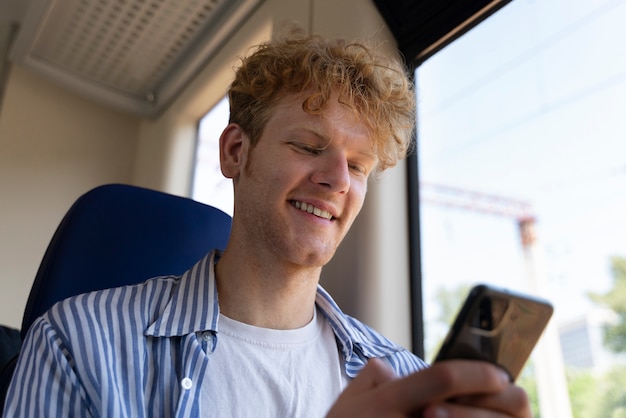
{"x": 209, "y": 184}
{"x": 522, "y": 123}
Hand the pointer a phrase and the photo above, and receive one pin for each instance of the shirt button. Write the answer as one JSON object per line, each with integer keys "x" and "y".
{"x": 186, "y": 383}
{"x": 207, "y": 335}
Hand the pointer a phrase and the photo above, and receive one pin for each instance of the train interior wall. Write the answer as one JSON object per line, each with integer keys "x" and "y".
{"x": 55, "y": 145}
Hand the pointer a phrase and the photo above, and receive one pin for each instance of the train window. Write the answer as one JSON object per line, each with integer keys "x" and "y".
{"x": 522, "y": 183}
{"x": 209, "y": 185}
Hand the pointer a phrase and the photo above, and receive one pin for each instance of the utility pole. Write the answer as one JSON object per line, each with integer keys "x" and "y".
{"x": 548, "y": 359}
{"x": 549, "y": 368}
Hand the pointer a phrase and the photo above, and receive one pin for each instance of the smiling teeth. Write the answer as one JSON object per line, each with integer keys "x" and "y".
{"x": 305, "y": 207}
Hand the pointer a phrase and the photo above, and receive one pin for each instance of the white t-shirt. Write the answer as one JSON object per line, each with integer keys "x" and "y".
{"x": 259, "y": 372}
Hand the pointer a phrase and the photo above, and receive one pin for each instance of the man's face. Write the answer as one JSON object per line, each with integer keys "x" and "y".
{"x": 298, "y": 190}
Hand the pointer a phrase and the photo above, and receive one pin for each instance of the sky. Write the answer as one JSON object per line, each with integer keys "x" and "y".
{"x": 530, "y": 105}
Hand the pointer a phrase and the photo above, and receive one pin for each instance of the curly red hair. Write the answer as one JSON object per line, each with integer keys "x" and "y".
{"x": 376, "y": 87}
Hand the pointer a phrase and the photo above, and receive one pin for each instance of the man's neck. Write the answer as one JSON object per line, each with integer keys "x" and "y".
{"x": 265, "y": 294}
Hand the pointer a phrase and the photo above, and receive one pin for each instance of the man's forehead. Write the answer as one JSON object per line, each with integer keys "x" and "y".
{"x": 350, "y": 117}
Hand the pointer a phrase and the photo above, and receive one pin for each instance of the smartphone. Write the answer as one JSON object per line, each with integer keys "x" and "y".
{"x": 497, "y": 325}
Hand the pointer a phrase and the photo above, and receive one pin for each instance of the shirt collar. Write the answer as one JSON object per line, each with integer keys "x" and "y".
{"x": 193, "y": 304}
{"x": 194, "y": 307}
{"x": 358, "y": 342}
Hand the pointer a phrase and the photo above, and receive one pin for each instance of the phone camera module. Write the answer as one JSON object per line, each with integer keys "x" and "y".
{"x": 491, "y": 310}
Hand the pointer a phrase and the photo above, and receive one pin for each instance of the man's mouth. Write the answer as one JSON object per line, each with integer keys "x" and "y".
{"x": 305, "y": 207}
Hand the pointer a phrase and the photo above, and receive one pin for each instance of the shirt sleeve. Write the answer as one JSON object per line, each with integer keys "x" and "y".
{"x": 44, "y": 383}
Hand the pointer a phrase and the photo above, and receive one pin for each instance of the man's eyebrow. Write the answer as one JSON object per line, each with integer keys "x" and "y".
{"x": 369, "y": 154}
{"x": 315, "y": 132}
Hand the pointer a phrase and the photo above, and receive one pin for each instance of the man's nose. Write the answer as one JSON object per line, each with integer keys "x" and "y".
{"x": 333, "y": 173}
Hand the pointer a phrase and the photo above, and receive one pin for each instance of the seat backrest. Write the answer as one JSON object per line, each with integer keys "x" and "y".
{"x": 116, "y": 235}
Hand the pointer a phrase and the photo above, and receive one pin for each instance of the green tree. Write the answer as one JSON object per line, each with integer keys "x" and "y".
{"x": 583, "y": 393}
{"x": 611, "y": 402}
{"x": 615, "y": 299}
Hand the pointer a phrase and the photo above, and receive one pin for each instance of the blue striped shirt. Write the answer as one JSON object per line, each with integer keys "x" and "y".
{"x": 140, "y": 351}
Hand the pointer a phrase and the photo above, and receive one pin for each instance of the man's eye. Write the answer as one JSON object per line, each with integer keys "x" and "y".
{"x": 308, "y": 149}
{"x": 358, "y": 169}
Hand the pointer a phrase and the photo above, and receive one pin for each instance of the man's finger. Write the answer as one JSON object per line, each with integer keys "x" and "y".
{"x": 444, "y": 381}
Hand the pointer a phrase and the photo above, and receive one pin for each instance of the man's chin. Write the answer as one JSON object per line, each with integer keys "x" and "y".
{"x": 317, "y": 259}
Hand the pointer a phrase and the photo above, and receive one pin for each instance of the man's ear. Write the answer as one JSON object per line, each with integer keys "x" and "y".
{"x": 234, "y": 146}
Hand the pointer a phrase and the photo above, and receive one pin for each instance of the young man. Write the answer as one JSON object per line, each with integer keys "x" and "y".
{"x": 249, "y": 332}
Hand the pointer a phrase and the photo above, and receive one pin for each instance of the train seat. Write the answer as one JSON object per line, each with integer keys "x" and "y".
{"x": 116, "y": 235}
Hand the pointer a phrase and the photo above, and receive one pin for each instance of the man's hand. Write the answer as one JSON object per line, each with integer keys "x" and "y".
{"x": 454, "y": 388}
